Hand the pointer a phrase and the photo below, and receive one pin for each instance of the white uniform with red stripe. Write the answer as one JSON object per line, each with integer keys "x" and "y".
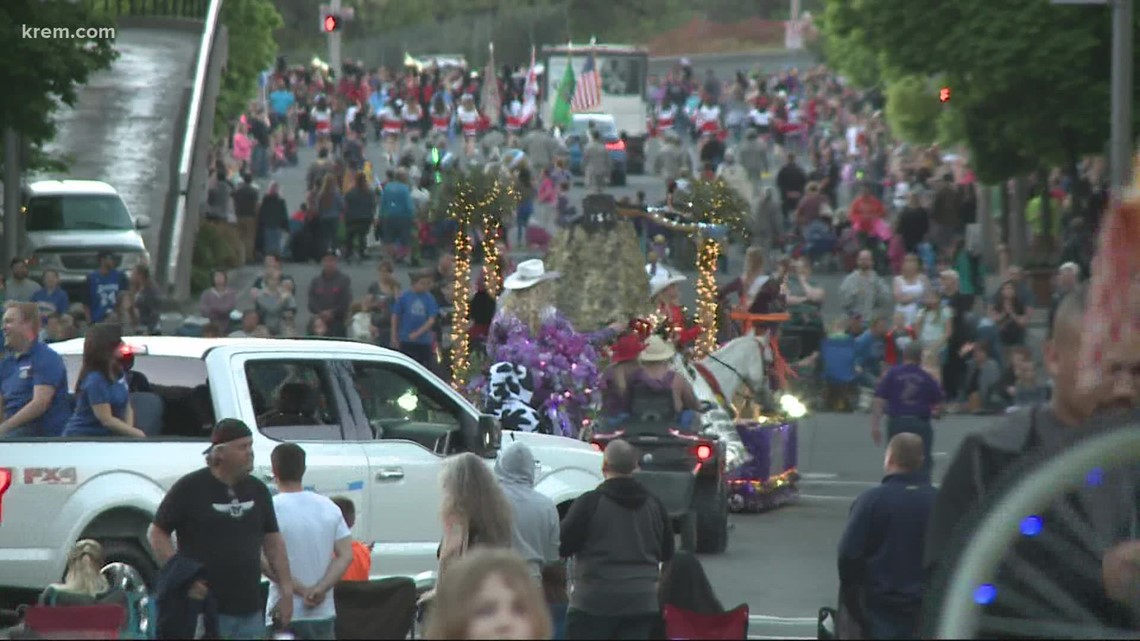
{"x": 441, "y": 122}
{"x": 666, "y": 116}
{"x": 390, "y": 121}
{"x": 708, "y": 119}
{"x": 513, "y": 112}
{"x": 412, "y": 118}
{"x": 468, "y": 120}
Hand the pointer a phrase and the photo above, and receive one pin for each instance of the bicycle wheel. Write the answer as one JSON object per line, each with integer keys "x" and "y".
{"x": 1002, "y": 581}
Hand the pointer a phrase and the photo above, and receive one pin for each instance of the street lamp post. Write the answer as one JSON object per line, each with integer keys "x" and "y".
{"x": 1120, "y": 144}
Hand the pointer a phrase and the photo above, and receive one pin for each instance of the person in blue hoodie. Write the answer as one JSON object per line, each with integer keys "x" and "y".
{"x": 397, "y": 214}
{"x": 880, "y": 552}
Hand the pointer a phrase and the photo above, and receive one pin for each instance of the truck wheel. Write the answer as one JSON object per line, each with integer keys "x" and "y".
{"x": 130, "y": 553}
{"x": 710, "y": 504}
{"x": 688, "y": 526}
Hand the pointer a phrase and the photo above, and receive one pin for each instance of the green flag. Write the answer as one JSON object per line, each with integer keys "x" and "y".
{"x": 560, "y": 115}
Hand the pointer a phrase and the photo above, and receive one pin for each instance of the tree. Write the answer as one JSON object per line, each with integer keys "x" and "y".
{"x": 911, "y": 113}
{"x": 1030, "y": 81}
{"x": 250, "y": 25}
{"x": 39, "y": 74}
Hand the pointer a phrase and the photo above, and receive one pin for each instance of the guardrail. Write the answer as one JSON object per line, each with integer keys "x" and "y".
{"x": 192, "y": 171}
{"x": 196, "y": 9}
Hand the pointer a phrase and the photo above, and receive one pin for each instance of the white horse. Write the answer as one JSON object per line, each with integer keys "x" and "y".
{"x": 742, "y": 361}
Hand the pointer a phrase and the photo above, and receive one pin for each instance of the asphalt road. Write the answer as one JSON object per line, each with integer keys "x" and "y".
{"x": 121, "y": 130}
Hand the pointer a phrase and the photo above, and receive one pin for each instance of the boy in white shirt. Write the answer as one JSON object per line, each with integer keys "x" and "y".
{"x": 317, "y": 541}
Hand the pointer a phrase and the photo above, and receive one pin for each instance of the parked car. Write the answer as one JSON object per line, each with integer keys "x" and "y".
{"x": 576, "y": 137}
{"x": 377, "y": 428}
{"x": 66, "y": 223}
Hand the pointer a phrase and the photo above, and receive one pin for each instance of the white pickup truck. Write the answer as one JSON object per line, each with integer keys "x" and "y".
{"x": 375, "y": 425}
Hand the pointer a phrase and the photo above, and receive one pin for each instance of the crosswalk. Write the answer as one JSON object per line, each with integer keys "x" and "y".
{"x": 761, "y": 626}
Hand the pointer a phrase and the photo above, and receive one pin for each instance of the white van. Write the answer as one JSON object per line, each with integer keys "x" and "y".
{"x": 66, "y": 223}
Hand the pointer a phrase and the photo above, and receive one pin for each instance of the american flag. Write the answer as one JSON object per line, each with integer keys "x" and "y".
{"x": 588, "y": 92}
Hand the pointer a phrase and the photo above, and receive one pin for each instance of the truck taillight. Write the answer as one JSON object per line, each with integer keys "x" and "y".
{"x": 704, "y": 452}
{"x": 5, "y": 483}
{"x": 617, "y": 145}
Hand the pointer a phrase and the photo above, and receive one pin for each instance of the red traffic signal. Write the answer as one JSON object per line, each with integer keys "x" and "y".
{"x": 944, "y": 94}
{"x": 331, "y": 23}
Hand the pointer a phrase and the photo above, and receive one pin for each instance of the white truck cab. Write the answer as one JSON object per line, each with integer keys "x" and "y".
{"x": 376, "y": 427}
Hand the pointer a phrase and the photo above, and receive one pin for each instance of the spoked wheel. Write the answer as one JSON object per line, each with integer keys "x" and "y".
{"x": 1031, "y": 565}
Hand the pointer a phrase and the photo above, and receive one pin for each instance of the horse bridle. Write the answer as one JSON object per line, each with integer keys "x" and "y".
{"x": 736, "y": 372}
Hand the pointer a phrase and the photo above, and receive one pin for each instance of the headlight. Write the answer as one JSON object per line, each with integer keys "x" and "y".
{"x": 131, "y": 260}
{"x": 792, "y": 406}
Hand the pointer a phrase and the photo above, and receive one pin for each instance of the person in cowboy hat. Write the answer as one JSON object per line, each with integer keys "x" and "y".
{"x": 623, "y": 362}
{"x": 666, "y": 298}
{"x": 656, "y": 378}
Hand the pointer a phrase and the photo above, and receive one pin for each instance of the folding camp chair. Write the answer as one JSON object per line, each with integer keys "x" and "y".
{"x": 378, "y": 609}
{"x": 683, "y": 624}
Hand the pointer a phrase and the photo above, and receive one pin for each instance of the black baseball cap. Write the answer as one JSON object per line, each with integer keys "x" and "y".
{"x": 228, "y": 430}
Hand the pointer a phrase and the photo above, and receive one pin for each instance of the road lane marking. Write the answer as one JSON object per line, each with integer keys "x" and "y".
{"x": 941, "y": 454}
{"x": 817, "y": 475}
{"x": 764, "y": 636}
{"x": 825, "y": 497}
{"x": 855, "y": 483}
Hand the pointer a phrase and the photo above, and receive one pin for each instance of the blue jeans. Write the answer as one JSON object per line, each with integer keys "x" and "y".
{"x": 259, "y": 161}
{"x": 920, "y": 427}
{"x": 558, "y": 620}
{"x": 24, "y": 431}
{"x": 241, "y": 626}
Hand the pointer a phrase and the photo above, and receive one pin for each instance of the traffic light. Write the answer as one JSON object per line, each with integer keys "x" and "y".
{"x": 331, "y": 23}
{"x": 944, "y": 94}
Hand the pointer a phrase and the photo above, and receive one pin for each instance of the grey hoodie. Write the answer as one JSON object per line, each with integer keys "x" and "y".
{"x": 535, "y": 528}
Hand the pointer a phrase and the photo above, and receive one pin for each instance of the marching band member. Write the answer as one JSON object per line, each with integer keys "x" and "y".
{"x": 392, "y": 125}
{"x": 440, "y": 116}
{"x": 666, "y": 116}
{"x": 514, "y": 116}
{"x": 708, "y": 117}
{"x": 413, "y": 117}
{"x": 761, "y": 119}
{"x": 469, "y": 120}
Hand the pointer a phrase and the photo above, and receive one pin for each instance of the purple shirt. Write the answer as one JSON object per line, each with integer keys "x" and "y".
{"x": 909, "y": 391}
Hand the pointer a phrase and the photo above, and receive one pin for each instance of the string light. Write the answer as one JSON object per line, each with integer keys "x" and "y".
{"x": 707, "y": 258}
{"x": 486, "y": 199}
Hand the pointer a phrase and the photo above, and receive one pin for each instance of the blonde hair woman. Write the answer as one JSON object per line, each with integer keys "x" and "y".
{"x": 84, "y": 583}
{"x": 489, "y": 594}
{"x": 474, "y": 512}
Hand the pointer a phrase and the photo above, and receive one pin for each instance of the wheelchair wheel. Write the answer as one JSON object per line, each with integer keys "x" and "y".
{"x": 1046, "y": 521}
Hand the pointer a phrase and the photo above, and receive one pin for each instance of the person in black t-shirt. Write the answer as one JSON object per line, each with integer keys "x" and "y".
{"x": 223, "y": 518}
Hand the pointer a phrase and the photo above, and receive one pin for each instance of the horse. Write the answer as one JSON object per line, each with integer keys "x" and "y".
{"x": 742, "y": 361}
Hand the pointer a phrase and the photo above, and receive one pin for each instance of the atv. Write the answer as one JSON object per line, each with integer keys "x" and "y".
{"x": 685, "y": 469}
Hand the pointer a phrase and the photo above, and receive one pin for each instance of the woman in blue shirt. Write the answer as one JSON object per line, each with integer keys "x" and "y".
{"x": 102, "y": 400}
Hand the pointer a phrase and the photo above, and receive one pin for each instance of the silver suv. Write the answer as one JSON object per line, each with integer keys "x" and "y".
{"x": 66, "y": 223}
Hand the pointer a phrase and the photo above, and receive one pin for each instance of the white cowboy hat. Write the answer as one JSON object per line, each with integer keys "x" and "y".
{"x": 656, "y": 350}
{"x": 528, "y": 274}
{"x": 662, "y": 281}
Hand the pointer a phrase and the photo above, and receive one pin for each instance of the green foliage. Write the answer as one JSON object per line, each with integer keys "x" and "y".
{"x": 716, "y": 203}
{"x": 844, "y": 51}
{"x": 41, "y": 73}
{"x": 1030, "y": 80}
{"x": 217, "y": 246}
{"x": 250, "y": 25}
{"x": 911, "y": 113}
{"x": 473, "y": 195}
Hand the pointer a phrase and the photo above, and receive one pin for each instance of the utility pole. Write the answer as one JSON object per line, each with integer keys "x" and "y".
{"x": 12, "y": 196}
{"x": 334, "y": 41}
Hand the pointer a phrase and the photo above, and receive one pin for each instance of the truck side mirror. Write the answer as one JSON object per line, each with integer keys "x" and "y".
{"x": 490, "y": 436}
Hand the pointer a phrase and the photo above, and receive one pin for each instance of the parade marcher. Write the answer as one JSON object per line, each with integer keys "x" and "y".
{"x": 752, "y": 154}
{"x": 413, "y": 119}
{"x": 468, "y": 118}
{"x": 596, "y": 163}
{"x": 880, "y": 553}
{"x": 224, "y": 519}
{"x": 666, "y": 295}
{"x": 910, "y": 397}
{"x": 983, "y": 457}
{"x": 440, "y": 116}
{"x": 391, "y": 126}
{"x": 317, "y": 543}
{"x": 618, "y": 535}
{"x": 33, "y": 379}
{"x": 672, "y": 161}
